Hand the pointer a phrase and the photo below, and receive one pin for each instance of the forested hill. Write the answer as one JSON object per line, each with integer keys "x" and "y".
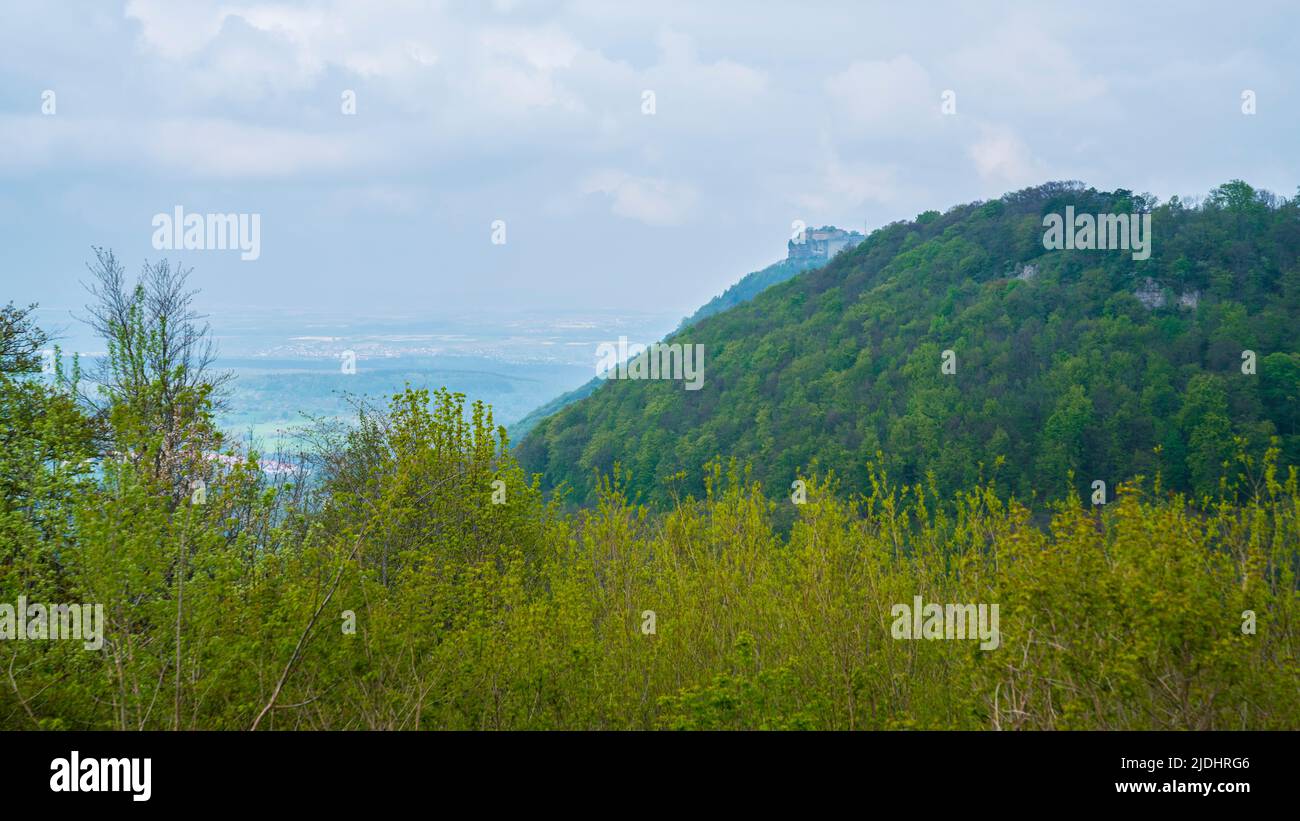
{"x": 751, "y": 285}
{"x": 748, "y": 287}
{"x": 1087, "y": 361}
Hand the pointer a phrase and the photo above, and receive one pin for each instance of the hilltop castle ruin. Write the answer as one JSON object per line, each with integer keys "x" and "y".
{"x": 822, "y": 243}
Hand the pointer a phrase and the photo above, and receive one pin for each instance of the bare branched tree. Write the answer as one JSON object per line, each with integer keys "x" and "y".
{"x": 159, "y": 362}
{"x": 177, "y": 349}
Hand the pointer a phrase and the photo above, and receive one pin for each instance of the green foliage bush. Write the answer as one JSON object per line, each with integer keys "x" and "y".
{"x": 475, "y": 615}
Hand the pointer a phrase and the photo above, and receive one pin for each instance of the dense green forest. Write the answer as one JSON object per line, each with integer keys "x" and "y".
{"x": 524, "y": 426}
{"x": 749, "y": 286}
{"x": 1088, "y": 363}
{"x": 411, "y": 574}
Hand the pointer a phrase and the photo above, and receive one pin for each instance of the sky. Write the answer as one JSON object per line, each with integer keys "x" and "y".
{"x": 535, "y": 117}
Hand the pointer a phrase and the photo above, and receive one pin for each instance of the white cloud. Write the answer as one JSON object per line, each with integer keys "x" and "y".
{"x": 545, "y": 49}
{"x": 1022, "y": 63}
{"x": 177, "y": 30}
{"x": 220, "y": 148}
{"x": 466, "y": 111}
{"x": 693, "y": 87}
{"x": 1001, "y": 156}
{"x": 648, "y": 200}
{"x": 844, "y": 187}
{"x": 191, "y": 148}
{"x": 393, "y": 199}
{"x": 883, "y": 96}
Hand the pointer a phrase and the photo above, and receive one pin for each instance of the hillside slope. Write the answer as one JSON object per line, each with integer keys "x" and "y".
{"x": 523, "y": 427}
{"x": 748, "y": 287}
{"x": 1065, "y": 360}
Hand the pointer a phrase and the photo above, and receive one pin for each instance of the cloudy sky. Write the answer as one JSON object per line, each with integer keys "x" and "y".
{"x": 535, "y": 114}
